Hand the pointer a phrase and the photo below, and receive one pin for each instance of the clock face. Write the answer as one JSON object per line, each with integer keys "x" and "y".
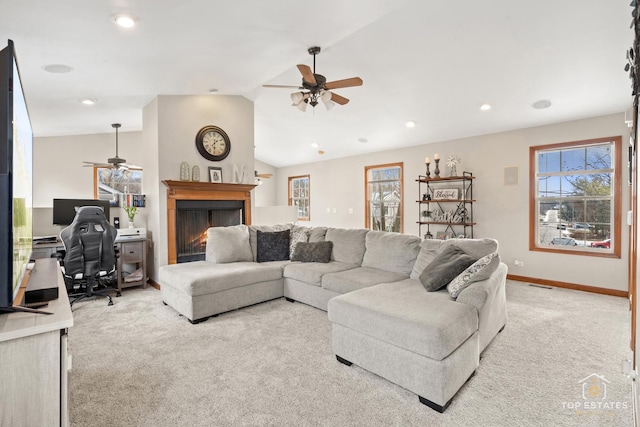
{"x": 213, "y": 143}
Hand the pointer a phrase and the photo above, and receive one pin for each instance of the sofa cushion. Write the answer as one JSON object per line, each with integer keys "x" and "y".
{"x": 228, "y": 244}
{"x": 253, "y": 236}
{"x": 203, "y": 277}
{"x": 482, "y": 269}
{"x": 312, "y": 272}
{"x": 317, "y": 234}
{"x": 358, "y": 278}
{"x": 393, "y": 252}
{"x": 449, "y": 262}
{"x": 298, "y": 234}
{"x": 313, "y": 252}
{"x": 428, "y": 250}
{"x": 403, "y": 314}
{"x": 348, "y": 244}
{"x": 272, "y": 246}
{"x": 477, "y": 248}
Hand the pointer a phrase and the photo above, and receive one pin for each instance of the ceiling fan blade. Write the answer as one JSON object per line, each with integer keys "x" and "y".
{"x": 98, "y": 164}
{"x": 283, "y": 86}
{"x": 338, "y": 99}
{"x": 353, "y": 81}
{"x": 264, "y": 175}
{"x": 307, "y": 74}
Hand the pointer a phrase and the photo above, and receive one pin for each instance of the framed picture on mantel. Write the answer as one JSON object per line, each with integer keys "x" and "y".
{"x": 215, "y": 174}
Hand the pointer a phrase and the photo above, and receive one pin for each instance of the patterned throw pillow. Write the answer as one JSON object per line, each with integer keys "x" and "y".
{"x": 298, "y": 234}
{"x": 449, "y": 262}
{"x": 313, "y": 252}
{"x": 273, "y": 246}
{"x": 479, "y": 270}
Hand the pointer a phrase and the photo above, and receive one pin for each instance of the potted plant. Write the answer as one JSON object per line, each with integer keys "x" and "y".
{"x": 131, "y": 213}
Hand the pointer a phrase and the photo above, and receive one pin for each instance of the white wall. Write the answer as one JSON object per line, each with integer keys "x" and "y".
{"x": 58, "y": 171}
{"x": 501, "y": 211}
{"x": 266, "y": 193}
{"x": 173, "y": 122}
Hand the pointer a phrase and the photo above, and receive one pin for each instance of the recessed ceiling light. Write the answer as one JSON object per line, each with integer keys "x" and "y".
{"x": 315, "y": 145}
{"x": 363, "y": 140}
{"x": 88, "y": 101}
{"x": 57, "y": 68}
{"x": 485, "y": 107}
{"x": 541, "y": 104}
{"x": 124, "y": 20}
{"x": 410, "y": 124}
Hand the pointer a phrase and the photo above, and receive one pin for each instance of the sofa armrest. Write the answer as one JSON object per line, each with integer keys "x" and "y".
{"x": 478, "y": 293}
{"x": 489, "y": 298}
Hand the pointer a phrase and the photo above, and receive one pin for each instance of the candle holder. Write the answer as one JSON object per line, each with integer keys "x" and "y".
{"x": 437, "y": 169}
{"x": 428, "y": 173}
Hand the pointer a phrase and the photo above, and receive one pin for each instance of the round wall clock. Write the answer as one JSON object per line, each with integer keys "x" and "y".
{"x": 213, "y": 143}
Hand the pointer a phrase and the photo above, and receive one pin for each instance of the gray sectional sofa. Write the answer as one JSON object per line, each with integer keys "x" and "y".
{"x": 373, "y": 285}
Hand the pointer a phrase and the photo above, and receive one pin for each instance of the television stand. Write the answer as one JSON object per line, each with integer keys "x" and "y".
{"x": 35, "y": 359}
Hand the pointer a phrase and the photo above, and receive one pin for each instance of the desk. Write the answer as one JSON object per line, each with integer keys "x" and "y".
{"x": 133, "y": 255}
{"x": 35, "y": 362}
{"x": 45, "y": 250}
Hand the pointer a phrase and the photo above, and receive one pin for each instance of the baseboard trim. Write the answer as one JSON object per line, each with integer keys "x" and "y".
{"x": 566, "y": 285}
{"x": 154, "y": 284}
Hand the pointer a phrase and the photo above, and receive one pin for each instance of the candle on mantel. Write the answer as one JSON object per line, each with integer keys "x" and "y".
{"x": 427, "y": 160}
{"x": 436, "y": 156}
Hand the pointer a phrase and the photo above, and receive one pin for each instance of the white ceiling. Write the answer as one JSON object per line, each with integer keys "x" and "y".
{"x": 431, "y": 61}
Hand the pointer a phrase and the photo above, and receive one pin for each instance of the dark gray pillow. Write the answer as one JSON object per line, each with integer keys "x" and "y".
{"x": 313, "y": 251}
{"x": 272, "y": 246}
{"x": 447, "y": 264}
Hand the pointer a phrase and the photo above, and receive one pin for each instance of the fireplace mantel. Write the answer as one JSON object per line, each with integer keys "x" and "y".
{"x": 190, "y": 190}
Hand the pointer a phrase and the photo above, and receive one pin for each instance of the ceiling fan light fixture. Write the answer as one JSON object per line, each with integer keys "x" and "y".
{"x": 296, "y": 97}
{"x": 302, "y": 105}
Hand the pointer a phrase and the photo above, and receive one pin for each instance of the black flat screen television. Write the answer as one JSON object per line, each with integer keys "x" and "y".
{"x": 16, "y": 185}
{"x": 64, "y": 210}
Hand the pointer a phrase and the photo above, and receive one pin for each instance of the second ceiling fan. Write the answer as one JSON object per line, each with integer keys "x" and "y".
{"x": 317, "y": 88}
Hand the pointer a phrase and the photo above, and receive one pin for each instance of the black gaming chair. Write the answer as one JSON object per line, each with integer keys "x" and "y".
{"x": 89, "y": 261}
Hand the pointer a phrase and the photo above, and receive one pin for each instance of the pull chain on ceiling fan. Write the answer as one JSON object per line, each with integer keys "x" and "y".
{"x": 315, "y": 87}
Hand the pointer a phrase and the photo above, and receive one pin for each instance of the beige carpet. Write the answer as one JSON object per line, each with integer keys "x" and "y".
{"x": 138, "y": 363}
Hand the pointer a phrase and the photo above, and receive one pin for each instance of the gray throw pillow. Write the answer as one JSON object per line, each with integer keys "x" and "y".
{"x": 272, "y": 246}
{"x": 313, "y": 251}
{"x": 448, "y": 263}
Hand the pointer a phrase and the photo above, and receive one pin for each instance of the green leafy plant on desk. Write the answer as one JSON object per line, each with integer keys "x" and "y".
{"x": 131, "y": 213}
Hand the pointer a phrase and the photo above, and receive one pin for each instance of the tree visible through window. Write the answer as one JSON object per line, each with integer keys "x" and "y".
{"x": 575, "y": 197}
{"x": 111, "y": 184}
{"x": 383, "y": 207}
{"x": 300, "y": 196}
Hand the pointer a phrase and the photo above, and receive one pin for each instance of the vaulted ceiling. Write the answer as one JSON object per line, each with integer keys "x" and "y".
{"x": 429, "y": 61}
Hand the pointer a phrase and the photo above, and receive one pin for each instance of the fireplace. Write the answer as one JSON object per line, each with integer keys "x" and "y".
{"x": 193, "y": 219}
{"x": 193, "y": 207}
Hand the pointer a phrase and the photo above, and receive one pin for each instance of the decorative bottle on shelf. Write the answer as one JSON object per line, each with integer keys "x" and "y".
{"x": 185, "y": 173}
{"x": 195, "y": 174}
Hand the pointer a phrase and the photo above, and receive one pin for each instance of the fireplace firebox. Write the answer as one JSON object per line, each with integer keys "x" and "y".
{"x": 193, "y": 219}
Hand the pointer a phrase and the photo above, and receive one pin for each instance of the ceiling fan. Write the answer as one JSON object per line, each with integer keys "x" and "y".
{"x": 316, "y": 87}
{"x": 260, "y": 176}
{"x": 115, "y": 162}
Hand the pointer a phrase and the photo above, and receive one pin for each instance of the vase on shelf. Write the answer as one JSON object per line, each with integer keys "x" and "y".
{"x": 185, "y": 173}
{"x": 131, "y": 224}
{"x": 195, "y": 173}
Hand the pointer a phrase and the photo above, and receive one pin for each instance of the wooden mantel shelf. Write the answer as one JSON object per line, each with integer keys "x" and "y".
{"x": 206, "y": 186}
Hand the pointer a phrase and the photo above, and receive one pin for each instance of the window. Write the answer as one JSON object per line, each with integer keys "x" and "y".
{"x": 300, "y": 196}
{"x": 383, "y": 187}
{"x": 111, "y": 184}
{"x": 575, "y": 197}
